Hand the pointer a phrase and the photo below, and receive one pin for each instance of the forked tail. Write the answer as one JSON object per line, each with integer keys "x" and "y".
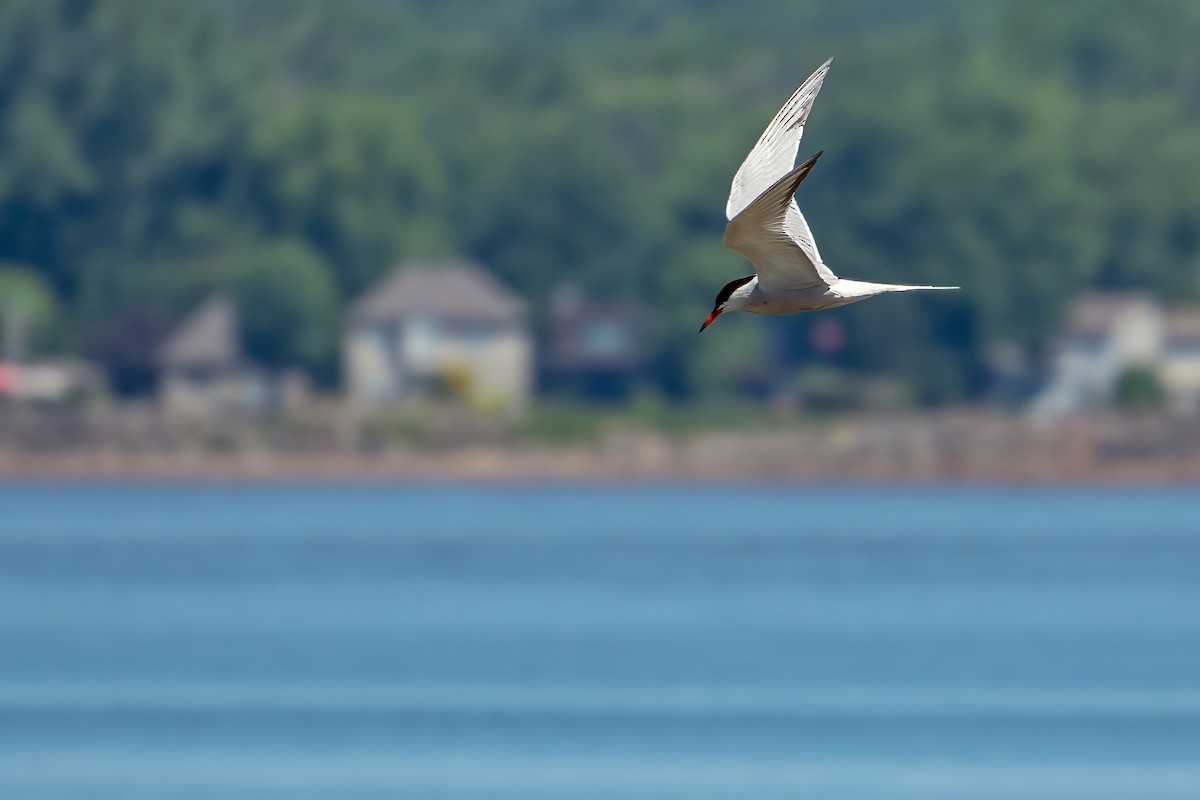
{"x": 849, "y": 288}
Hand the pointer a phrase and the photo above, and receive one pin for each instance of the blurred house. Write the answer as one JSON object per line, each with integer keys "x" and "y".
{"x": 1110, "y": 333}
{"x": 39, "y": 380}
{"x": 595, "y": 348}
{"x": 1180, "y": 362}
{"x": 1106, "y": 334}
{"x": 205, "y": 373}
{"x": 445, "y": 328}
{"x": 50, "y": 382}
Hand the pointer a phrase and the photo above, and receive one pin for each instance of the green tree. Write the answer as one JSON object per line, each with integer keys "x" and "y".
{"x": 1023, "y": 150}
{"x": 112, "y": 114}
{"x": 354, "y": 176}
{"x": 1139, "y": 388}
{"x": 288, "y": 306}
{"x": 28, "y": 308}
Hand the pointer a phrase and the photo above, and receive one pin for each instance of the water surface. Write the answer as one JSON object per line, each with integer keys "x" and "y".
{"x": 658, "y": 642}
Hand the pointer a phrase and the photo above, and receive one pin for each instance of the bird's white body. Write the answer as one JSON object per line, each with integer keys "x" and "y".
{"x": 767, "y": 227}
{"x": 755, "y": 299}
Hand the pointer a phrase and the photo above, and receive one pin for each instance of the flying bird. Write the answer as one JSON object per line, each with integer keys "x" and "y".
{"x": 766, "y": 226}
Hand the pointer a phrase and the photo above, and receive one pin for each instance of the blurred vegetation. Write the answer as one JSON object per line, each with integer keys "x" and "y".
{"x": 1140, "y": 389}
{"x": 28, "y": 303}
{"x": 288, "y": 152}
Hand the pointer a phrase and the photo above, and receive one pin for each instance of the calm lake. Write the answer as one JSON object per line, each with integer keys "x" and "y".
{"x": 662, "y": 642}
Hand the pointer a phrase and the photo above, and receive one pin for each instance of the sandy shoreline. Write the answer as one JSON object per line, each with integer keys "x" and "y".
{"x": 943, "y": 449}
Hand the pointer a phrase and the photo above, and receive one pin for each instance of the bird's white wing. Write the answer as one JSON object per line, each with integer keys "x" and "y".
{"x": 796, "y": 227}
{"x": 773, "y": 234}
{"x": 775, "y": 152}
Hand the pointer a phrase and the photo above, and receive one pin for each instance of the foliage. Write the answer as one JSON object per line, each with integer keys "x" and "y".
{"x": 287, "y": 306}
{"x": 353, "y": 176}
{"x": 1139, "y": 388}
{"x": 28, "y": 309}
{"x": 288, "y": 152}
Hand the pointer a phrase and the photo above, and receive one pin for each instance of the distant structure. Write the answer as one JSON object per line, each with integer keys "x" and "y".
{"x": 205, "y": 373}
{"x": 439, "y": 328}
{"x": 1180, "y": 363}
{"x": 54, "y": 382}
{"x": 596, "y": 348}
{"x": 39, "y": 380}
{"x": 1108, "y": 333}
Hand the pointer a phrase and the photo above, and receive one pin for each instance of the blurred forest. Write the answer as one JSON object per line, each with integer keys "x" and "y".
{"x": 289, "y": 152}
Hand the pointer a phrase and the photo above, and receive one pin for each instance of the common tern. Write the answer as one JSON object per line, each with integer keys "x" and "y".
{"x": 766, "y": 226}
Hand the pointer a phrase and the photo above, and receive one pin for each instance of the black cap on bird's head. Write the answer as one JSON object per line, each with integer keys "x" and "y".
{"x": 723, "y": 297}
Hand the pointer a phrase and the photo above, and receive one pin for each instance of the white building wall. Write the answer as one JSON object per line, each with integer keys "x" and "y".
{"x": 1180, "y": 374}
{"x": 496, "y": 362}
{"x": 1137, "y": 335}
{"x": 1087, "y": 368}
{"x": 370, "y": 368}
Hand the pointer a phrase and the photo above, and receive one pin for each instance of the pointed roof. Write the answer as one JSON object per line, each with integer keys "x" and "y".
{"x": 461, "y": 291}
{"x": 207, "y": 338}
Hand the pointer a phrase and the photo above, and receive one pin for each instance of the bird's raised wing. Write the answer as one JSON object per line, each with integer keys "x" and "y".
{"x": 775, "y": 152}
{"x": 796, "y": 227}
{"x": 773, "y": 234}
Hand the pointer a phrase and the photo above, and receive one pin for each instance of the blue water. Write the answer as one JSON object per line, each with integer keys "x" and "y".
{"x": 309, "y": 642}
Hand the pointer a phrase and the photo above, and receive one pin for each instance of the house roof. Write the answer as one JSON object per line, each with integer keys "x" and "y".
{"x": 207, "y": 338}
{"x": 1095, "y": 313}
{"x": 455, "y": 290}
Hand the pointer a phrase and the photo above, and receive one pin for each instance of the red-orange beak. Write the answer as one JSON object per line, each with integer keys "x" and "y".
{"x": 709, "y": 319}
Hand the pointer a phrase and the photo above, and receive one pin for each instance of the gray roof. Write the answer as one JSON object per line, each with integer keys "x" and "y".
{"x": 455, "y": 290}
{"x": 1094, "y": 313}
{"x": 207, "y": 338}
